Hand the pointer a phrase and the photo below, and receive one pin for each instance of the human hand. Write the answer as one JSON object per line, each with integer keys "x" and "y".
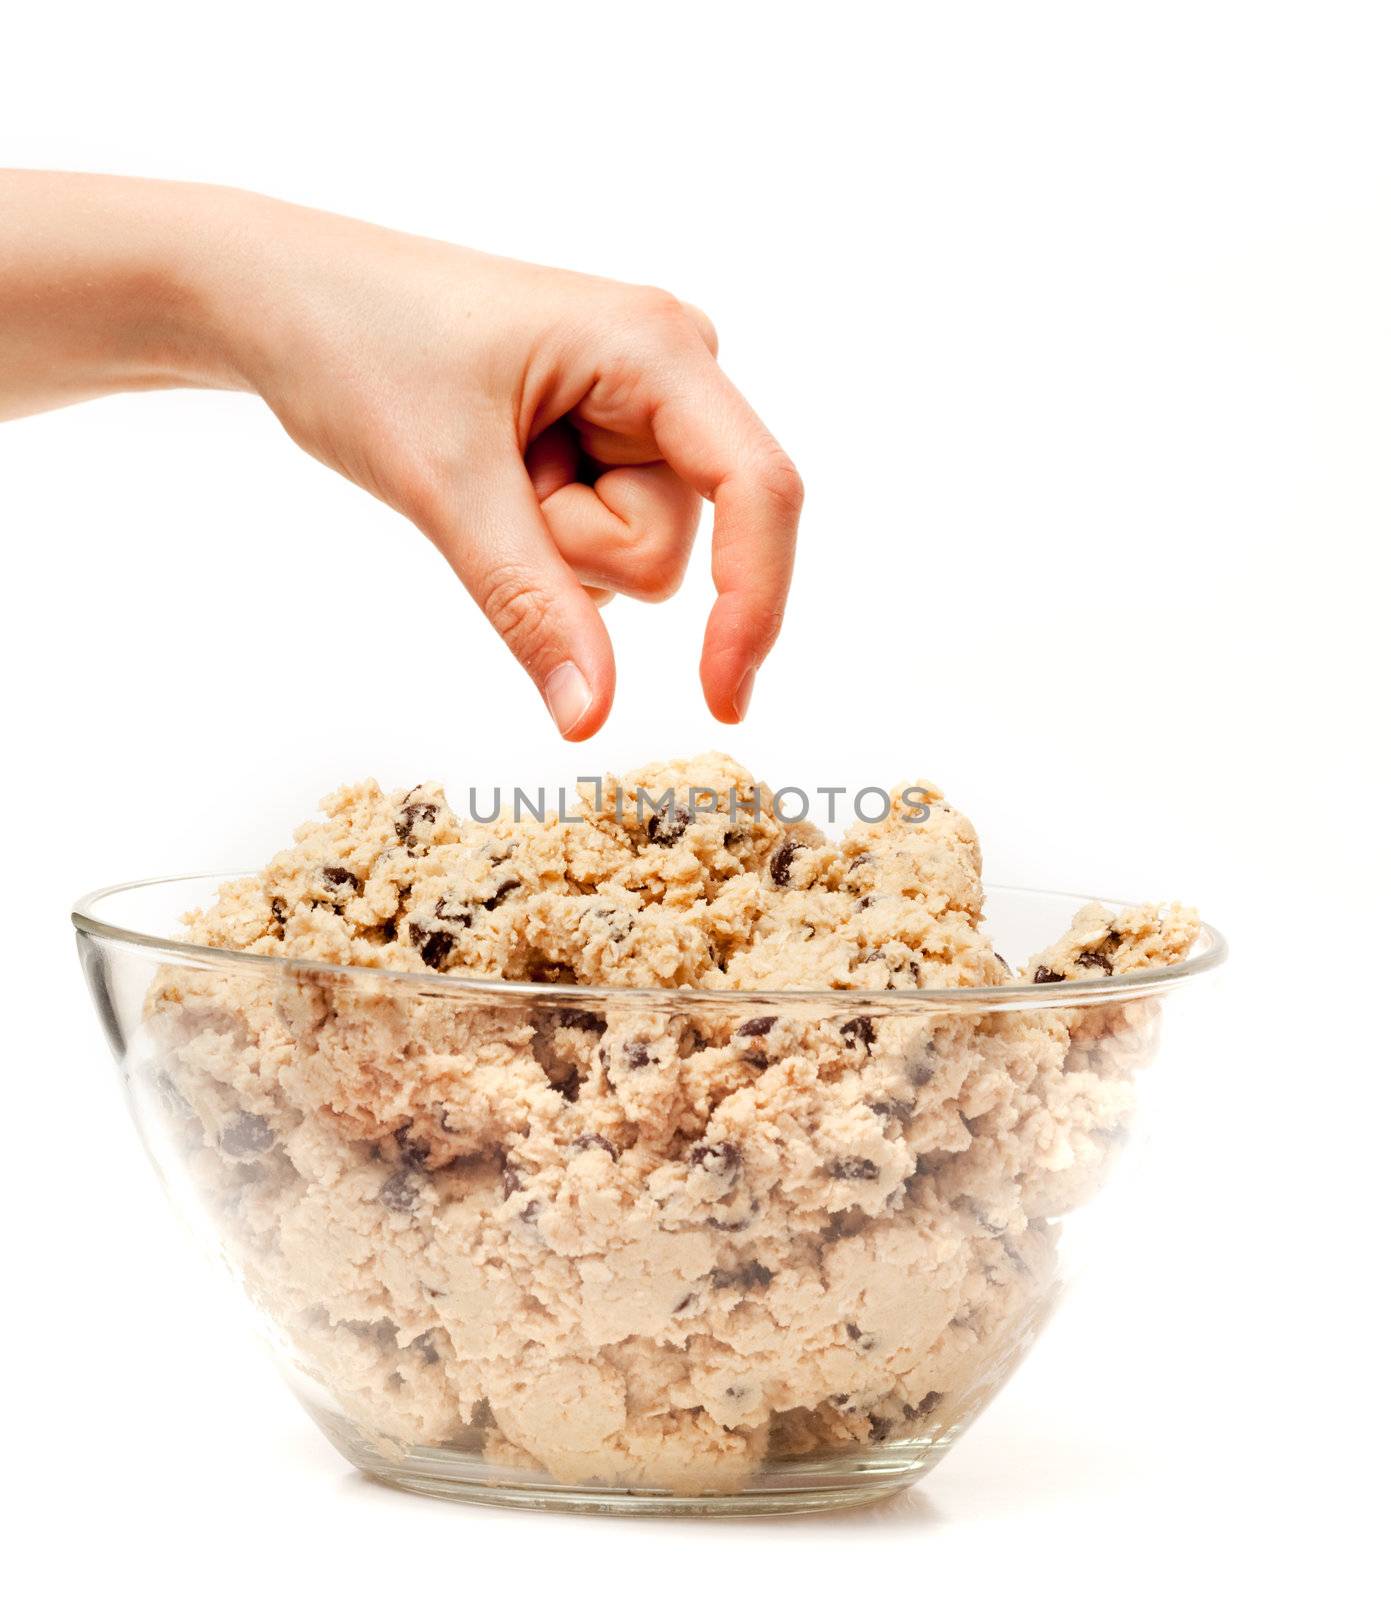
{"x": 552, "y": 433}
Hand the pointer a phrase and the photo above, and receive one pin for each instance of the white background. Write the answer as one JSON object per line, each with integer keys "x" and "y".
{"x": 1077, "y": 320}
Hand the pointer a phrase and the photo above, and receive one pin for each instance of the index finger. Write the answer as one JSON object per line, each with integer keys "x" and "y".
{"x": 710, "y": 435}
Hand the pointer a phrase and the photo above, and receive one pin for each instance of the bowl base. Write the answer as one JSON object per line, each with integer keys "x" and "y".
{"x": 784, "y": 1488}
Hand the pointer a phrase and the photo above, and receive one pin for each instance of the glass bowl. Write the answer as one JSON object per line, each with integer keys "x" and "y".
{"x": 629, "y": 1250}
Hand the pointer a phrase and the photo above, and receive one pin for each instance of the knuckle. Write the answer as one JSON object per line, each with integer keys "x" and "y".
{"x": 655, "y": 584}
{"x": 517, "y": 607}
{"x": 761, "y": 630}
{"x": 781, "y": 482}
{"x": 659, "y": 304}
{"x": 654, "y": 563}
{"x": 704, "y": 326}
{"x": 648, "y": 574}
{"x": 670, "y": 321}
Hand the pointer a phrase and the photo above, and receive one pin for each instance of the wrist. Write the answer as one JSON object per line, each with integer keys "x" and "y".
{"x": 107, "y": 284}
{"x": 202, "y": 247}
{"x": 246, "y": 275}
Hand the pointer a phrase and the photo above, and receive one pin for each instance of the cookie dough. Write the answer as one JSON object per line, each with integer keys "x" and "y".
{"x": 664, "y": 1238}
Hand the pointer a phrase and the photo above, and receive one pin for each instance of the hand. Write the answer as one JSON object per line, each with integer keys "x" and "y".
{"x": 553, "y": 434}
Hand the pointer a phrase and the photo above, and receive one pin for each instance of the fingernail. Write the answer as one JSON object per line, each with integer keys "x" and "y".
{"x": 744, "y": 693}
{"x": 567, "y": 696}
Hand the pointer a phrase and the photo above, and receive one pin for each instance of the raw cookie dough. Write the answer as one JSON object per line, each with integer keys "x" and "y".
{"x": 658, "y": 1240}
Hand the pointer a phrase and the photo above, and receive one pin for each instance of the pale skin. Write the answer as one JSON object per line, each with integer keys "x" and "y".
{"x": 552, "y": 434}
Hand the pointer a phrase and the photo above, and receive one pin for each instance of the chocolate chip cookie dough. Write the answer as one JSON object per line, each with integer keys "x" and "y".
{"x": 663, "y": 1238}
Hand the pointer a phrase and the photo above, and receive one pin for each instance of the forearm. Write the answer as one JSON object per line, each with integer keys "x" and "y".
{"x": 111, "y": 284}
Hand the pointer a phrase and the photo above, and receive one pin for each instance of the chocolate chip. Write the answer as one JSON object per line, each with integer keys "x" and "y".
{"x": 755, "y": 1027}
{"x": 898, "y": 1110}
{"x": 854, "y": 1332}
{"x": 861, "y": 1028}
{"x": 246, "y": 1135}
{"x": 748, "y": 1275}
{"x": 338, "y": 877}
{"x": 879, "y": 1429}
{"x": 686, "y": 1302}
{"x": 737, "y": 1226}
{"x": 668, "y": 825}
{"x": 499, "y": 894}
{"x": 511, "y": 1181}
{"x": 425, "y": 1344}
{"x": 416, "y": 1152}
{"x": 923, "y": 1068}
{"x": 596, "y": 1141}
{"x": 864, "y": 902}
{"x": 845, "y": 1225}
{"x": 435, "y": 948}
{"x": 531, "y": 1210}
{"x": 854, "y": 1168}
{"x": 419, "y": 813}
{"x": 925, "y": 1407}
{"x": 1047, "y": 975}
{"x": 573, "y": 1017}
{"x": 635, "y": 1055}
{"x": 720, "y": 1160}
{"x": 562, "y": 1074}
{"x": 401, "y": 1191}
{"x": 444, "y": 913}
{"x": 1096, "y": 958}
{"x": 278, "y": 910}
{"x": 780, "y": 866}
{"x": 550, "y": 972}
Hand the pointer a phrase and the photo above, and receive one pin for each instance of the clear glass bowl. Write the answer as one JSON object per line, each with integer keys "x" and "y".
{"x": 629, "y": 1250}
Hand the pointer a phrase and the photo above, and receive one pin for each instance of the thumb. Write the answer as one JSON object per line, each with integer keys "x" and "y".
{"x": 491, "y": 531}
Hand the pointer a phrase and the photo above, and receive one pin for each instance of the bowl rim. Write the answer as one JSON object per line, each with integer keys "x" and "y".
{"x": 1210, "y": 952}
